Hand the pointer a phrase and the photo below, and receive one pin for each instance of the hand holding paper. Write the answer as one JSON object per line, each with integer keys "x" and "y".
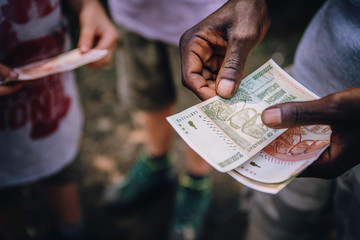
{"x": 64, "y": 62}
{"x": 230, "y": 136}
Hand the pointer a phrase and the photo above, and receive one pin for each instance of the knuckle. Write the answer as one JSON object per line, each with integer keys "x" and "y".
{"x": 340, "y": 104}
{"x": 337, "y": 101}
{"x": 292, "y": 114}
{"x": 233, "y": 62}
{"x": 184, "y": 82}
{"x": 187, "y": 36}
{"x": 240, "y": 38}
{"x": 188, "y": 81}
{"x": 296, "y": 114}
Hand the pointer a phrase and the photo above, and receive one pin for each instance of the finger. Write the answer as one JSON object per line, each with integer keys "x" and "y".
{"x": 231, "y": 71}
{"x": 194, "y": 52}
{"x": 326, "y": 110}
{"x": 6, "y": 72}
{"x": 7, "y": 90}
{"x": 321, "y": 168}
{"x": 107, "y": 39}
{"x": 214, "y": 63}
{"x": 86, "y": 39}
{"x": 200, "y": 86}
{"x": 327, "y": 167}
{"x": 102, "y": 62}
{"x": 194, "y": 80}
{"x": 338, "y": 158}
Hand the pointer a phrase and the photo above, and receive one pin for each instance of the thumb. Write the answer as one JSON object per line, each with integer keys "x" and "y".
{"x": 86, "y": 39}
{"x": 294, "y": 114}
{"x": 340, "y": 109}
{"x": 230, "y": 73}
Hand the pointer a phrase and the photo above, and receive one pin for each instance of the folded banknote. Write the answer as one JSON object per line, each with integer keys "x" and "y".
{"x": 61, "y": 63}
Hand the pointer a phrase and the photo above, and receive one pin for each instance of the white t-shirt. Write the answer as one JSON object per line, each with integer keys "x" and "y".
{"x": 40, "y": 125}
{"x": 163, "y": 20}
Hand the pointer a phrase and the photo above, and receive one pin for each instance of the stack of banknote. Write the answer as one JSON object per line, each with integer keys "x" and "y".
{"x": 230, "y": 136}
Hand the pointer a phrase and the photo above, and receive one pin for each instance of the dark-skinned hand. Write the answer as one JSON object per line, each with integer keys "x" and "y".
{"x": 341, "y": 111}
{"x": 214, "y": 52}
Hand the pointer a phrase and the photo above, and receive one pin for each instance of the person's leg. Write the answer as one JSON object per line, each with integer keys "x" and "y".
{"x": 12, "y": 222}
{"x": 158, "y": 131}
{"x": 194, "y": 191}
{"x": 145, "y": 76}
{"x": 145, "y": 84}
{"x": 62, "y": 194}
{"x": 65, "y": 202}
{"x": 195, "y": 165}
{"x": 192, "y": 198}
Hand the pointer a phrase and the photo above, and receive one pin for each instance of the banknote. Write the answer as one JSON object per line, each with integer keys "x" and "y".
{"x": 272, "y": 188}
{"x": 228, "y": 132}
{"x": 61, "y": 63}
{"x": 283, "y": 159}
{"x": 287, "y": 155}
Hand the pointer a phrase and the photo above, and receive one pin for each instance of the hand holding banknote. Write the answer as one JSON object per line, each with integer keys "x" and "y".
{"x": 230, "y": 136}
{"x": 214, "y": 52}
{"x": 341, "y": 111}
{"x": 96, "y": 30}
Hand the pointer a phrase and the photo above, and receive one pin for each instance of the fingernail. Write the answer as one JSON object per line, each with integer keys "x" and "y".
{"x": 13, "y": 75}
{"x": 272, "y": 117}
{"x": 84, "y": 49}
{"x": 226, "y": 88}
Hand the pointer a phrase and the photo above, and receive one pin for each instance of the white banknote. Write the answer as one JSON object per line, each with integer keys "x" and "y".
{"x": 230, "y": 136}
{"x": 61, "y": 63}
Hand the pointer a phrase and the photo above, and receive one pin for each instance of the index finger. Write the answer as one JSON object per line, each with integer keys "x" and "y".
{"x": 108, "y": 40}
{"x": 195, "y": 52}
{"x": 192, "y": 78}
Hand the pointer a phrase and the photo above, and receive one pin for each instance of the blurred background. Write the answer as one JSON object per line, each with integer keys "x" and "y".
{"x": 112, "y": 138}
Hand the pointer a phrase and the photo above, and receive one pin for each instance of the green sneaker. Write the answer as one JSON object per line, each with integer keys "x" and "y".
{"x": 191, "y": 204}
{"x": 147, "y": 176}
